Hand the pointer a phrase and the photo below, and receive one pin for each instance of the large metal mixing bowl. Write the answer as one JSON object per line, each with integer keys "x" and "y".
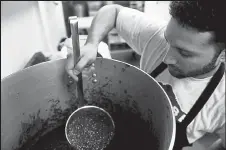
{"x": 40, "y": 98}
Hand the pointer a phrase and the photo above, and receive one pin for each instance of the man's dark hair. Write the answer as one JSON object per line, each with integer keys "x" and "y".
{"x": 206, "y": 15}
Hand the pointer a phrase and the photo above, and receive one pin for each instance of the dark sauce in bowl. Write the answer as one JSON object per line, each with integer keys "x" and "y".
{"x": 131, "y": 132}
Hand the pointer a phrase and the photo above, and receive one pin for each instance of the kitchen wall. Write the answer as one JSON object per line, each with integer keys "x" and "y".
{"x": 26, "y": 28}
{"x": 31, "y": 26}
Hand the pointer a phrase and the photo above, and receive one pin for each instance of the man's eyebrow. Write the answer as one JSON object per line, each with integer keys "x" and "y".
{"x": 180, "y": 48}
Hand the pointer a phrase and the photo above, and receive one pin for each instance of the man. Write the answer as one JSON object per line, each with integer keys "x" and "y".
{"x": 192, "y": 45}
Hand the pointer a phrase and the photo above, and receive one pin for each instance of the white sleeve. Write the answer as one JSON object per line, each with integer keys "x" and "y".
{"x": 218, "y": 116}
{"x": 137, "y": 29}
{"x": 218, "y": 121}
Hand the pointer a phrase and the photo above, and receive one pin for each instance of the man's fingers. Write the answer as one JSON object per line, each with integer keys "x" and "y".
{"x": 87, "y": 72}
{"x": 81, "y": 64}
{"x": 70, "y": 62}
{"x": 70, "y": 72}
{"x": 70, "y": 67}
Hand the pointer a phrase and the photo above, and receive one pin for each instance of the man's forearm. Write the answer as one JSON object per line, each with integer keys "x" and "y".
{"x": 103, "y": 23}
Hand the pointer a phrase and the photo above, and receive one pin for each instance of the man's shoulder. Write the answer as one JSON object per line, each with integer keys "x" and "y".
{"x": 138, "y": 29}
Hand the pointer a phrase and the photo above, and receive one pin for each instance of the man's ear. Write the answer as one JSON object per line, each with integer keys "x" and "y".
{"x": 222, "y": 56}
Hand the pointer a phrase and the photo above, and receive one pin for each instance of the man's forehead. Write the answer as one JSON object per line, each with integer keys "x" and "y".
{"x": 176, "y": 32}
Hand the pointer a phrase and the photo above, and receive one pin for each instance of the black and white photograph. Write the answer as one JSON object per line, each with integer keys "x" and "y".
{"x": 113, "y": 75}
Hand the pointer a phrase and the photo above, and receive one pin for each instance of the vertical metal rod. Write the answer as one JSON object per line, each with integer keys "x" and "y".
{"x": 75, "y": 37}
{"x": 76, "y": 54}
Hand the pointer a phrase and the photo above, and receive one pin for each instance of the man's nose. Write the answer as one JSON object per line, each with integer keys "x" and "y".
{"x": 170, "y": 58}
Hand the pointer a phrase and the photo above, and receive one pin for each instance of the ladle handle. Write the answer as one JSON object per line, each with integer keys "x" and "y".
{"x": 76, "y": 54}
{"x": 75, "y": 38}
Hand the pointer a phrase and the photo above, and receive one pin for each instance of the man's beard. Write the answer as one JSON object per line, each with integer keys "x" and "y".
{"x": 178, "y": 73}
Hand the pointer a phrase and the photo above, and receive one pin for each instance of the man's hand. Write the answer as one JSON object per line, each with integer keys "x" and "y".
{"x": 85, "y": 64}
{"x": 218, "y": 145}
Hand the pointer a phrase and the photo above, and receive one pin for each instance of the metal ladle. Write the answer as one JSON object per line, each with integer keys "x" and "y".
{"x": 88, "y": 127}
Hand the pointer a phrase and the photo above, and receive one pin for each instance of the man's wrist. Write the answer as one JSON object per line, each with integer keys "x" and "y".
{"x": 93, "y": 43}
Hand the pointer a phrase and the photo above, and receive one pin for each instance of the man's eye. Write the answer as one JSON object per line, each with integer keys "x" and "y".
{"x": 184, "y": 54}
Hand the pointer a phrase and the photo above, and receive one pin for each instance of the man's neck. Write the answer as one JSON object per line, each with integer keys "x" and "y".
{"x": 209, "y": 74}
